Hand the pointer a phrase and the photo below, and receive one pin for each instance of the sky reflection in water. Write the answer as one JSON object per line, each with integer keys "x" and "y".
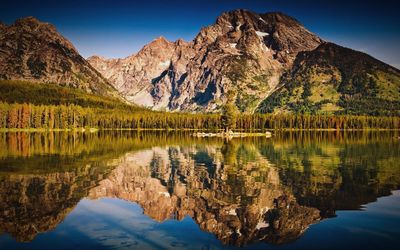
{"x": 153, "y": 190}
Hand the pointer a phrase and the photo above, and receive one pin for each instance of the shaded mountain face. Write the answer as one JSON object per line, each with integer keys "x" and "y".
{"x": 332, "y": 78}
{"x": 243, "y": 52}
{"x": 34, "y": 51}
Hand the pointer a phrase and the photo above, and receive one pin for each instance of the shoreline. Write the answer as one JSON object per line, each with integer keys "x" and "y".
{"x": 216, "y": 131}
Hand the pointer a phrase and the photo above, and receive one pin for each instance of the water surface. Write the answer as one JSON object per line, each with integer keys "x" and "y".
{"x": 111, "y": 190}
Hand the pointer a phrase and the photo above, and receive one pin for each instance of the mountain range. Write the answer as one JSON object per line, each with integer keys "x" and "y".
{"x": 264, "y": 63}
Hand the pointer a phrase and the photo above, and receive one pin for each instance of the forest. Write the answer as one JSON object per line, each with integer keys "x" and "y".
{"x": 28, "y": 116}
{"x": 26, "y": 105}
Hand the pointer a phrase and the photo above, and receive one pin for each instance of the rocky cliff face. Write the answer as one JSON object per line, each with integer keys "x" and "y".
{"x": 134, "y": 76}
{"x": 243, "y": 52}
{"x": 35, "y": 51}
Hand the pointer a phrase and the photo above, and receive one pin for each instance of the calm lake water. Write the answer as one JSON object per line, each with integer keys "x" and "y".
{"x": 148, "y": 190}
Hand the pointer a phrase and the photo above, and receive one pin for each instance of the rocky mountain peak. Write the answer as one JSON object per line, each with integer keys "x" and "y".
{"x": 157, "y": 46}
{"x": 32, "y": 25}
{"x": 276, "y": 18}
{"x": 29, "y": 21}
{"x": 96, "y": 57}
{"x": 236, "y": 16}
{"x": 160, "y": 39}
{"x": 279, "y": 32}
{"x": 33, "y": 50}
{"x": 243, "y": 51}
{"x": 180, "y": 42}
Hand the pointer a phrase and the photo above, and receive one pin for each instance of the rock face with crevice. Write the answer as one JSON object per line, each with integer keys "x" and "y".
{"x": 34, "y": 51}
{"x": 243, "y": 52}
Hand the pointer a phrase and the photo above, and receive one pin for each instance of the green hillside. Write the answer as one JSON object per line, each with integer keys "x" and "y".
{"x": 51, "y": 94}
{"x": 335, "y": 80}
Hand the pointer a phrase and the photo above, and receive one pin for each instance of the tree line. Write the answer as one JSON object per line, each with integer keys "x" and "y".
{"x": 27, "y": 116}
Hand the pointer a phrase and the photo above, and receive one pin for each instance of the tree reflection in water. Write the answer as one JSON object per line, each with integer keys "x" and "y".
{"x": 241, "y": 190}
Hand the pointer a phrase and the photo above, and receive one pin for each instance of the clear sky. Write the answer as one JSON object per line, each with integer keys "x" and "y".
{"x": 116, "y": 28}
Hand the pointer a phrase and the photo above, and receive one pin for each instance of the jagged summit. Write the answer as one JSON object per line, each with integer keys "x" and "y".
{"x": 29, "y": 20}
{"x": 243, "y": 51}
{"x": 97, "y": 57}
{"x": 250, "y": 18}
{"x": 160, "y": 39}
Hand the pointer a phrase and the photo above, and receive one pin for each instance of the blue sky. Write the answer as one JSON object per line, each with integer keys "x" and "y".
{"x": 120, "y": 28}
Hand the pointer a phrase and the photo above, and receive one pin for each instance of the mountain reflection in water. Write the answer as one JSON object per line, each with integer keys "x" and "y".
{"x": 242, "y": 191}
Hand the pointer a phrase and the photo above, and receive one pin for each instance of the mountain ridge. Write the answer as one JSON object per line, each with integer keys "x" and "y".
{"x": 241, "y": 52}
{"x": 263, "y": 63}
{"x": 347, "y": 82}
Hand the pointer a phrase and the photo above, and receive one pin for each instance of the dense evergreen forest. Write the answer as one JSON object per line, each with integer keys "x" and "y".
{"x": 24, "y": 116}
{"x": 25, "y": 105}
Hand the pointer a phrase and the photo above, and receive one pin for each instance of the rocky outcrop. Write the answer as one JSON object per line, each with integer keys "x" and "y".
{"x": 34, "y": 51}
{"x": 243, "y": 52}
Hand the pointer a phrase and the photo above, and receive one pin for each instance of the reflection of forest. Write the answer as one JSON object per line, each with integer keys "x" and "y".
{"x": 241, "y": 191}
{"x": 337, "y": 174}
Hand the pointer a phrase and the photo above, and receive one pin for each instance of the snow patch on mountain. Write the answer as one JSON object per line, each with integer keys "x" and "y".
{"x": 260, "y": 33}
{"x": 165, "y": 63}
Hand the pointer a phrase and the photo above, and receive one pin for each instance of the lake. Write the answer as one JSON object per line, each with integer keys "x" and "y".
{"x": 164, "y": 190}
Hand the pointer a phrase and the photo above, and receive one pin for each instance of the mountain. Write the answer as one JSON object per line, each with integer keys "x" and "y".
{"x": 34, "y": 51}
{"x": 133, "y": 75}
{"x": 243, "y": 53}
{"x": 332, "y": 78}
{"x": 264, "y": 63}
